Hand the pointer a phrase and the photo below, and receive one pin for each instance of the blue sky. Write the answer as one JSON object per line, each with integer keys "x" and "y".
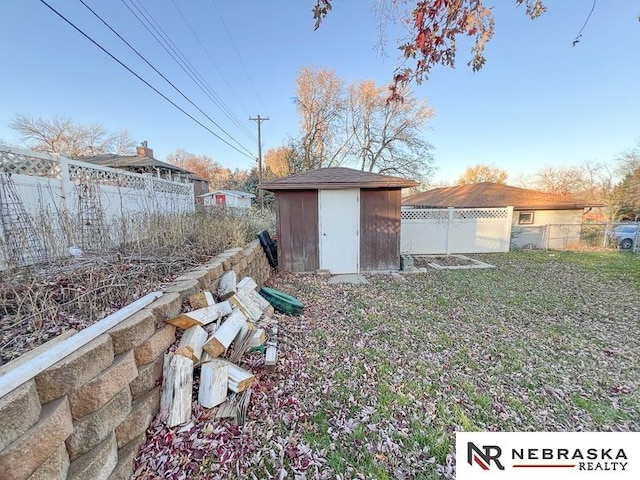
{"x": 538, "y": 101}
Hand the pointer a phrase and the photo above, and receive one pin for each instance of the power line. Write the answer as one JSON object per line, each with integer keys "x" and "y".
{"x": 246, "y": 71}
{"x": 206, "y": 51}
{"x": 165, "y": 78}
{"x": 164, "y": 40}
{"x": 140, "y": 78}
{"x": 577, "y": 39}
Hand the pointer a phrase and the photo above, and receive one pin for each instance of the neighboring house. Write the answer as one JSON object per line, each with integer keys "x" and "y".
{"x": 228, "y": 198}
{"x": 144, "y": 163}
{"x": 338, "y": 219}
{"x": 530, "y": 208}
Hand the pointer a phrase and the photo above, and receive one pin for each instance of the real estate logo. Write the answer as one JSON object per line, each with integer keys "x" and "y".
{"x": 580, "y": 455}
{"x": 483, "y": 457}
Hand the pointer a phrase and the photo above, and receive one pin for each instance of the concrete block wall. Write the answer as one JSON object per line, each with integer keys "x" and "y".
{"x": 85, "y": 416}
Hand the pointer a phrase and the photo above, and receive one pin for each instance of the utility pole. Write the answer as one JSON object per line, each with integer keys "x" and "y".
{"x": 259, "y": 120}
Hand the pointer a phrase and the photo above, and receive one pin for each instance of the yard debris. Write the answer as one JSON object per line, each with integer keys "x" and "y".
{"x": 237, "y": 315}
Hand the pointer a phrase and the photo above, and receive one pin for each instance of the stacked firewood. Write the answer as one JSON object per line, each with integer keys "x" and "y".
{"x": 216, "y": 336}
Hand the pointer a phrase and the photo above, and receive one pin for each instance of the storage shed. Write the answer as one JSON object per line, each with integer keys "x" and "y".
{"x": 338, "y": 219}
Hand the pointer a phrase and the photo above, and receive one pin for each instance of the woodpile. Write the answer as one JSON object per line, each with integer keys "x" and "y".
{"x": 216, "y": 336}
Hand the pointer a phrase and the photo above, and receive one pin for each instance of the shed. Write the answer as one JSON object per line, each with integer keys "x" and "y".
{"x": 228, "y": 198}
{"x": 338, "y": 219}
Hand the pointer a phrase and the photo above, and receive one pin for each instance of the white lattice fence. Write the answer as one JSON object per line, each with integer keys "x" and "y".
{"x": 455, "y": 230}
{"x": 78, "y": 203}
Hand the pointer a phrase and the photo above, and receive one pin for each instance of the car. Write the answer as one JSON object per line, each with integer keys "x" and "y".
{"x": 624, "y": 235}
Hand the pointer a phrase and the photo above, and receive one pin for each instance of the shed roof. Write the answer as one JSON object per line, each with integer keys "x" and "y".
{"x": 487, "y": 195}
{"x": 336, "y": 178}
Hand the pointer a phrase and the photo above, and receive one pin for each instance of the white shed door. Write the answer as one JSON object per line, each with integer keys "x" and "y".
{"x": 339, "y": 216}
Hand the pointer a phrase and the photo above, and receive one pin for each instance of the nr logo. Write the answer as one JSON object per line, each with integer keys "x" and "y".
{"x": 484, "y": 456}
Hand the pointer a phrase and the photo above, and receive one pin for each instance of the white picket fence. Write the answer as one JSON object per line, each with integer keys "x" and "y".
{"x": 455, "y": 230}
{"x": 36, "y": 189}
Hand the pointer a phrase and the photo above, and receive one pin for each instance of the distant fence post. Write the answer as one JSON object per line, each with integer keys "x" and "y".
{"x": 67, "y": 187}
{"x": 449, "y": 224}
{"x": 509, "y": 226}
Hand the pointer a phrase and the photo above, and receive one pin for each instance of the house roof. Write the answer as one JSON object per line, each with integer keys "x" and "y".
{"x": 233, "y": 193}
{"x": 336, "y": 178}
{"x": 487, "y": 195}
{"x": 121, "y": 161}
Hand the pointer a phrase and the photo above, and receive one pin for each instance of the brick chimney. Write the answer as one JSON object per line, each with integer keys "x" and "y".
{"x": 144, "y": 151}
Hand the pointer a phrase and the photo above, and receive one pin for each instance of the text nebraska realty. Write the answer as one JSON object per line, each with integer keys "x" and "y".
{"x": 605, "y": 459}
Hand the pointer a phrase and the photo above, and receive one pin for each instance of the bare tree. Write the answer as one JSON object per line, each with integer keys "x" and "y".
{"x": 559, "y": 180}
{"x": 388, "y": 137}
{"x": 319, "y": 102}
{"x": 359, "y": 126}
{"x": 483, "y": 173}
{"x": 595, "y": 182}
{"x": 62, "y": 135}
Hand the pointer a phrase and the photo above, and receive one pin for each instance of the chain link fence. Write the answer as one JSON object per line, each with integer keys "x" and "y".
{"x": 623, "y": 236}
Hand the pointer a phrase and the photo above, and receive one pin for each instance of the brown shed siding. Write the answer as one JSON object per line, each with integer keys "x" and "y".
{"x": 379, "y": 229}
{"x": 297, "y": 230}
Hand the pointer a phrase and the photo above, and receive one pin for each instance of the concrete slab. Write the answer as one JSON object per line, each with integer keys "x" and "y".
{"x": 348, "y": 278}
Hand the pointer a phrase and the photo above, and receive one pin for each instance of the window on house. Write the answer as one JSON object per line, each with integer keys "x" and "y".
{"x": 525, "y": 218}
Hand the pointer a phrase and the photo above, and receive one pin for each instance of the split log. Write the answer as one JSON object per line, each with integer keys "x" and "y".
{"x": 218, "y": 343}
{"x": 267, "y": 321}
{"x": 245, "y": 333}
{"x": 239, "y": 378}
{"x": 191, "y": 343}
{"x": 177, "y": 386}
{"x": 227, "y": 410}
{"x": 201, "y": 300}
{"x": 247, "y": 284}
{"x": 262, "y": 302}
{"x": 202, "y": 316}
{"x": 227, "y": 285}
{"x": 241, "y": 342}
{"x": 243, "y": 406}
{"x": 214, "y": 383}
{"x": 247, "y": 306}
{"x": 248, "y": 287}
{"x": 204, "y": 358}
{"x": 271, "y": 358}
{"x": 258, "y": 338}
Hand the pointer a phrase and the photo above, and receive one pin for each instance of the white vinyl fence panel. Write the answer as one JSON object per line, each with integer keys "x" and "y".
{"x": 455, "y": 230}
{"x": 84, "y": 203}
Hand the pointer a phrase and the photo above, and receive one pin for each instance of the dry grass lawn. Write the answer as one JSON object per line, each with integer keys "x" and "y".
{"x": 374, "y": 379}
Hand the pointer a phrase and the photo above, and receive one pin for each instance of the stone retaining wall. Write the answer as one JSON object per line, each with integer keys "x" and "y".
{"x": 85, "y": 416}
